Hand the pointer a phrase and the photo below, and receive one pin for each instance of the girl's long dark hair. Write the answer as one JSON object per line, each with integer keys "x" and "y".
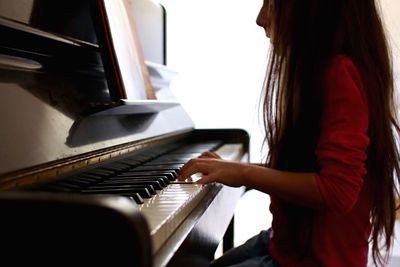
{"x": 306, "y": 36}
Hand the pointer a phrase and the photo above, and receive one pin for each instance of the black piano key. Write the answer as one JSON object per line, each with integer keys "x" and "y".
{"x": 160, "y": 166}
{"x": 170, "y": 175}
{"x": 137, "y": 198}
{"x": 143, "y": 192}
{"x": 167, "y": 161}
{"x": 100, "y": 172}
{"x": 93, "y": 177}
{"x": 67, "y": 185}
{"x": 157, "y": 166}
{"x": 131, "y": 162}
{"x": 116, "y": 167}
{"x": 178, "y": 156}
{"x": 156, "y": 184}
{"x": 153, "y": 185}
{"x": 75, "y": 182}
{"x": 121, "y": 187}
{"x": 163, "y": 180}
{"x": 141, "y": 158}
{"x": 61, "y": 187}
{"x": 80, "y": 180}
{"x": 52, "y": 187}
{"x": 138, "y": 160}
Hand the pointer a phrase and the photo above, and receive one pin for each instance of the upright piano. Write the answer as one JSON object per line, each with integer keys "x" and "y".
{"x": 88, "y": 180}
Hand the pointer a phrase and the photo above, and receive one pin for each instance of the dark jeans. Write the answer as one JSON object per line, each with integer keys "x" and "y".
{"x": 253, "y": 253}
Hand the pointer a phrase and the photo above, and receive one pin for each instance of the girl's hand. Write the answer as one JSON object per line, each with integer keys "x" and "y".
{"x": 210, "y": 154}
{"x": 213, "y": 169}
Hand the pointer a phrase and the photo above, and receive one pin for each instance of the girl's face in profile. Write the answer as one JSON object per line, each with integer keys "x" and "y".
{"x": 264, "y": 18}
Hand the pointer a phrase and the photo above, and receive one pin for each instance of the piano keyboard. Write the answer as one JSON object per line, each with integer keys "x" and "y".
{"x": 149, "y": 179}
{"x": 166, "y": 211}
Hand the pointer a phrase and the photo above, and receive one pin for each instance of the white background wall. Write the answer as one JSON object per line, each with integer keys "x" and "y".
{"x": 391, "y": 16}
{"x": 220, "y": 54}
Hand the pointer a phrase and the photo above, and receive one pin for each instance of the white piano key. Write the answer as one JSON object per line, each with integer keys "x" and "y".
{"x": 165, "y": 211}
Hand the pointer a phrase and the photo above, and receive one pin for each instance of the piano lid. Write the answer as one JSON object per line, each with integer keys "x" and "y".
{"x": 52, "y": 83}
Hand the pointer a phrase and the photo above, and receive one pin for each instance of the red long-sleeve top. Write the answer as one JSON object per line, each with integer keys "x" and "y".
{"x": 339, "y": 233}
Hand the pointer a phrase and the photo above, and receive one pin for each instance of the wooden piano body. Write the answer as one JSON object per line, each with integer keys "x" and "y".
{"x": 60, "y": 141}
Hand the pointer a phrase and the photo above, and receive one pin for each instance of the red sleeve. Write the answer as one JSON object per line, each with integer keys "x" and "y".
{"x": 341, "y": 151}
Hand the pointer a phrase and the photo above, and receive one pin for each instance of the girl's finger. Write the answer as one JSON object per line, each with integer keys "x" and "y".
{"x": 188, "y": 170}
{"x": 209, "y": 154}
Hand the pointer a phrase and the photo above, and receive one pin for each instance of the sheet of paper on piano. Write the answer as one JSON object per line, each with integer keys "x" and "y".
{"x": 125, "y": 68}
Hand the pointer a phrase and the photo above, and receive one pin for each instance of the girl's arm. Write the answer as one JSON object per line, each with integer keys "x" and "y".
{"x": 300, "y": 188}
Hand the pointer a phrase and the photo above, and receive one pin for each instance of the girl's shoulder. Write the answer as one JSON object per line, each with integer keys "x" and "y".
{"x": 343, "y": 80}
{"x": 341, "y": 64}
{"x": 342, "y": 69}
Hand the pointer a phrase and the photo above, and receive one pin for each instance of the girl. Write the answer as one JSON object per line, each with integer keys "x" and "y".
{"x": 331, "y": 130}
